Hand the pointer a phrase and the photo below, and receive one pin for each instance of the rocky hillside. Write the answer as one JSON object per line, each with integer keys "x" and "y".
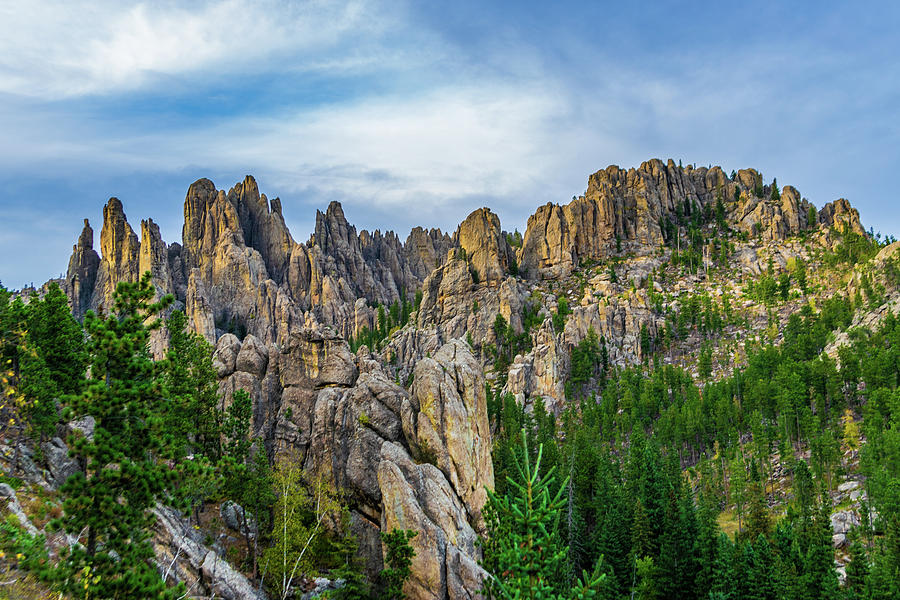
{"x": 400, "y": 424}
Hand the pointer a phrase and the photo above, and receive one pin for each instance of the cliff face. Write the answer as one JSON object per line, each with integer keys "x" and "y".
{"x": 630, "y": 210}
{"x": 414, "y": 459}
{"x": 485, "y": 245}
{"x": 119, "y": 249}
{"x": 840, "y": 215}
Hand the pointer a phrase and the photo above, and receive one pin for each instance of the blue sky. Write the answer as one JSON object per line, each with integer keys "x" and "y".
{"x": 418, "y": 113}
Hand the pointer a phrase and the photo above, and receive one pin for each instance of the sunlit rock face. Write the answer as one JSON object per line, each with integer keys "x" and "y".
{"x": 629, "y": 210}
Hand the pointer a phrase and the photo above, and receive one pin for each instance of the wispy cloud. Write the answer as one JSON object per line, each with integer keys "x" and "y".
{"x": 55, "y": 49}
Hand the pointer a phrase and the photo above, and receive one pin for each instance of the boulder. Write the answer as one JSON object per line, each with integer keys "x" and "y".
{"x": 225, "y": 357}
{"x": 848, "y": 486}
{"x": 321, "y": 586}
{"x": 233, "y": 516}
{"x": 253, "y": 357}
{"x": 59, "y": 464}
{"x": 843, "y": 521}
{"x": 182, "y": 557}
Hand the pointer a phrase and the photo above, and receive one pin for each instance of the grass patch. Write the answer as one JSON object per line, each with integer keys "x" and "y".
{"x": 728, "y": 523}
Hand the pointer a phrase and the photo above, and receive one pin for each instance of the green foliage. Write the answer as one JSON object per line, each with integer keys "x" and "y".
{"x": 247, "y": 477}
{"x": 398, "y": 557}
{"x": 586, "y": 358}
{"x": 109, "y": 501}
{"x": 41, "y": 358}
{"x": 721, "y": 224}
{"x": 784, "y": 285}
{"x": 193, "y": 418}
{"x": 765, "y": 290}
{"x": 301, "y": 512}
{"x": 386, "y": 322}
{"x": 349, "y": 568}
{"x": 853, "y": 248}
{"x": 626, "y": 491}
{"x": 52, "y": 328}
{"x": 514, "y": 239}
{"x": 523, "y": 552}
{"x": 646, "y": 342}
{"x": 28, "y": 551}
{"x": 704, "y": 361}
{"x": 562, "y": 312}
{"x": 775, "y": 195}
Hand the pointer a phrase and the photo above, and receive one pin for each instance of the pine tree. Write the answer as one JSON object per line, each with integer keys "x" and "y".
{"x": 42, "y": 348}
{"x": 109, "y": 501}
{"x": 857, "y": 572}
{"x": 398, "y": 557}
{"x": 193, "y": 418}
{"x": 52, "y": 328}
{"x": 707, "y": 546}
{"x": 523, "y": 551}
{"x": 247, "y": 474}
{"x": 37, "y": 390}
{"x": 762, "y": 571}
{"x": 820, "y": 577}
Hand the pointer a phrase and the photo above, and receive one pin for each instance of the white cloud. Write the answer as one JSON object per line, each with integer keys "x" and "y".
{"x": 55, "y": 49}
{"x": 451, "y": 141}
{"x": 445, "y": 143}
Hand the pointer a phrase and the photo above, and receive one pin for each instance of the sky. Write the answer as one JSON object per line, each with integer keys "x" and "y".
{"x": 417, "y": 113}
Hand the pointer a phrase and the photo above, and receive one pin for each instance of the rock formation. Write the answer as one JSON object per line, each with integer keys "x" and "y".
{"x": 345, "y": 418}
{"x": 417, "y": 456}
{"x": 840, "y": 215}
{"x": 342, "y": 416}
{"x": 82, "y": 272}
{"x": 119, "y": 249}
{"x": 484, "y": 245}
{"x": 630, "y": 210}
{"x": 238, "y": 268}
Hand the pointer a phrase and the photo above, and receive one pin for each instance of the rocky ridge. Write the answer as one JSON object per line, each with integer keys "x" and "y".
{"x": 631, "y": 208}
{"x": 239, "y": 270}
{"x": 417, "y": 456}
